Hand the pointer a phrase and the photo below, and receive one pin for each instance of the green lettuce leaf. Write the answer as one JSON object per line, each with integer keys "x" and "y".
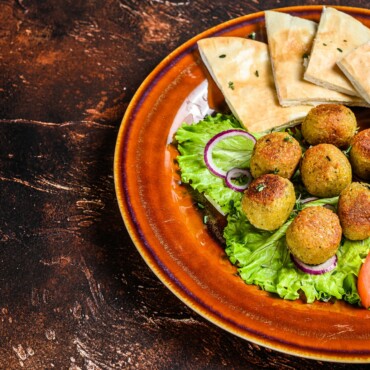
{"x": 231, "y": 152}
{"x": 263, "y": 259}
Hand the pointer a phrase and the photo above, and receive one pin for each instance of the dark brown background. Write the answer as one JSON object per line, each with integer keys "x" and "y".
{"x": 74, "y": 292}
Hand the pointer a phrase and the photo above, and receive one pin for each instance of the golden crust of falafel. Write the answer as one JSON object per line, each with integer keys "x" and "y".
{"x": 359, "y": 155}
{"x": 278, "y": 153}
{"x": 331, "y": 124}
{"x": 354, "y": 211}
{"x": 325, "y": 170}
{"x": 268, "y": 201}
{"x": 314, "y": 235}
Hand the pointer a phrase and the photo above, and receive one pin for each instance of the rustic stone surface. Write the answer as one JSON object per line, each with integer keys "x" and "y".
{"x": 74, "y": 292}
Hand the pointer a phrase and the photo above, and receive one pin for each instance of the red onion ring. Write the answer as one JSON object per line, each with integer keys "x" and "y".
{"x": 235, "y": 173}
{"x": 330, "y": 206}
{"x": 326, "y": 266}
{"x": 311, "y": 199}
{"x": 208, "y": 150}
{"x": 308, "y": 200}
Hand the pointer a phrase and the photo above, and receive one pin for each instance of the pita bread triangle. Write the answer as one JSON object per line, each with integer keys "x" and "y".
{"x": 355, "y": 65}
{"x": 337, "y": 34}
{"x": 290, "y": 41}
{"x": 242, "y": 70}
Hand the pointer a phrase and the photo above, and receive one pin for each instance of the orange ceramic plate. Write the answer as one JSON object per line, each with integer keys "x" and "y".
{"x": 169, "y": 232}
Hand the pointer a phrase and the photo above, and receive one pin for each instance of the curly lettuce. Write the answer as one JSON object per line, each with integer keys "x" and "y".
{"x": 264, "y": 260}
{"x": 231, "y": 152}
{"x": 261, "y": 256}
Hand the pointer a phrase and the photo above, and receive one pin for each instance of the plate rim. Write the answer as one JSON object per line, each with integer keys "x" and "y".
{"x": 124, "y": 205}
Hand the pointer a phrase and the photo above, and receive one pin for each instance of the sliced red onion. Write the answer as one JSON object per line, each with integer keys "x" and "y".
{"x": 208, "y": 150}
{"x": 330, "y": 206}
{"x": 234, "y": 173}
{"x": 326, "y": 266}
{"x": 308, "y": 200}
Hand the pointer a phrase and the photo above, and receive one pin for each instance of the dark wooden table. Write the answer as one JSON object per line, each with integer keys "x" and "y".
{"x": 74, "y": 292}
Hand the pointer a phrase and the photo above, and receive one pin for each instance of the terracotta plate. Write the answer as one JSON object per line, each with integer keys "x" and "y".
{"x": 168, "y": 230}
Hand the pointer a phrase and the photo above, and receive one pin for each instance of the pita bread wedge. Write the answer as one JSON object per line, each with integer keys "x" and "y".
{"x": 290, "y": 41}
{"x": 242, "y": 70}
{"x": 355, "y": 65}
{"x": 338, "y": 33}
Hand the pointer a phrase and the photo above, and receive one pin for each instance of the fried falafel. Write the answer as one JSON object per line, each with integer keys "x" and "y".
{"x": 314, "y": 235}
{"x": 354, "y": 211}
{"x": 330, "y": 124}
{"x": 359, "y": 155}
{"x": 325, "y": 170}
{"x": 278, "y": 153}
{"x": 268, "y": 201}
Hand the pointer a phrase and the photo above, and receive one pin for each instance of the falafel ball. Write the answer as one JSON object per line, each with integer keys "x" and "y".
{"x": 268, "y": 201}
{"x": 314, "y": 235}
{"x": 331, "y": 124}
{"x": 325, "y": 170}
{"x": 354, "y": 211}
{"x": 359, "y": 155}
{"x": 278, "y": 153}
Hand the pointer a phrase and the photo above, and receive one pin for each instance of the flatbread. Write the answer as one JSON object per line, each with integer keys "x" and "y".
{"x": 242, "y": 70}
{"x": 338, "y": 33}
{"x": 290, "y": 41}
{"x": 355, "y": 65}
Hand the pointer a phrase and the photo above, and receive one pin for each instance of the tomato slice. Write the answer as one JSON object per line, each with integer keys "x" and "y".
{"x": 363, "y": 283}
